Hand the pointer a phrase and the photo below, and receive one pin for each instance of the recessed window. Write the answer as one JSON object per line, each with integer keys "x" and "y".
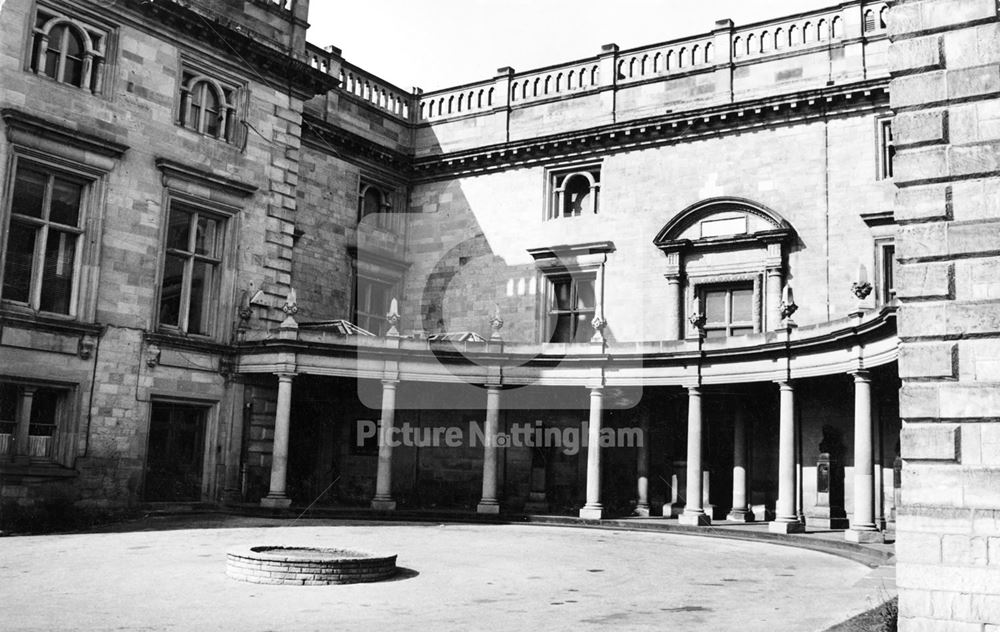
{"x": 886, "y": 262}
{"x": 68, "y": 50}
{"x": 208, "y": 106}
{"x": 574, "y": 192}
{"x": 886, "y": 148}
{"x": 44, "y": 239}
{"x": 572, "y": 305}
{"x": 29, "y": 420}
{"x": 371, "y": 304}
{"x": 189, "y": 289}
{"x": 376, "y": 201}
{"x": 728, "y": 310}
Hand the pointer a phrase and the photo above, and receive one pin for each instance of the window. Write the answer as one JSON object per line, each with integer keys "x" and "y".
{"x": 190, "y": 287}
{"x": 208, "y": 106}
{"x": 886, "y": 149}
{"x": 371, "y": 304}
{"x": 574, "y": 192}
{"x": 571, "y": 310}
{"x": 376, "y": 200}
{"x": 728, "y": 310}
{"x": 29, "y": 420}
{"x": 44, "y": 238}
{"x": 68, "y": 51}
{"x": 886, "y": 262}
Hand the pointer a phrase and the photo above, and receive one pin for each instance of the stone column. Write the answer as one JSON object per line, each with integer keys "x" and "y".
{"x": 642, "y": 467}
{"x": 489, "y": 503}
{"x": 740, "y": 511}
{"x": 863, "y": 519}
{"x": 276, "y": 496}
{"x": 694, "y": 513}
{"x": 593, "y": 508}
{"x": 673, "y": 308}
{"x": 786, "y": 516}
{"x": 22, "y": 436}
{"x": 383, "y": 482}
{"x": 773, "y": 298}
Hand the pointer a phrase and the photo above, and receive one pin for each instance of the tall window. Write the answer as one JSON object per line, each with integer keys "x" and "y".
{"x": 886, "y": 261}
{"x": 189, "y": 290}
{"x": 886, "y": 149}
{"x": 574, "y": 192}
{"x": 41, "y": 262}
{"x": 207, "y": 106}
{"x": 728, "y": 310}
{"x": 572, "y": 303}
{"x": 28, "y": 420}
{"x": 68, "y": 51}
{"x": 371, "y": 304}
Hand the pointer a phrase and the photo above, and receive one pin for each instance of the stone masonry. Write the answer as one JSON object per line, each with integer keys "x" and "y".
{"x": 945, "y": 64}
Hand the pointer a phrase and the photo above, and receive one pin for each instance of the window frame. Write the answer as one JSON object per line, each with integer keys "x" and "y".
{"x": 727, "y": 325}
{"x": 552, "y": 313}
{"x": 698, "y": 284}
{"x": 96, "y": 72}
{"x": 59, "y": 448}
{"x": 357, "y": 313}
{"x": 193, "y": 74}
{"x": 556, "y": 181}
{"x": 885, "y": 266}
{"x": 885, "y": 148}
{"x": 389, "y": 217}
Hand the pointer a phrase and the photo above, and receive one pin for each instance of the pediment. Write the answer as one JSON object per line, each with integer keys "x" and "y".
{"x": 723, "y": 220}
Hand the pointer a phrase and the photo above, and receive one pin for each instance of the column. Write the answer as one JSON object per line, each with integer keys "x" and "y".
{"x": 694, "y": 514}
{"x": 22, "y": 436}
{"x": 863, "y": 519}
{"x": 276, "y": 496}
{"x": 773, "y": 290}
{"x": 489, "y": 503}
{"x": 786, "y": 516}
{"x": 593, "y": 509}
{"x": 740, "y": 511}
{"x": 642, "y": 467}
{"x": 673, "y": 308}
{"x": 383, "y": 482}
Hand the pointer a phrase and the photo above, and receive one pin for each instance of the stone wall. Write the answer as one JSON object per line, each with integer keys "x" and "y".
{"x": 945, "y": 63}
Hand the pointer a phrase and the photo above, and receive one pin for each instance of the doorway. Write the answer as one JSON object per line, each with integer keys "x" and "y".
{"x": 175, "y": 452}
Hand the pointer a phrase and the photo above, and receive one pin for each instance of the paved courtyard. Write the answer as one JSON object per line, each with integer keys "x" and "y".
{"x": 167, "y": 576}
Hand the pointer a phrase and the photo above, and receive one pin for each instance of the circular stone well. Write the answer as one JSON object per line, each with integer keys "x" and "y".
{"x": 305, "y": 566}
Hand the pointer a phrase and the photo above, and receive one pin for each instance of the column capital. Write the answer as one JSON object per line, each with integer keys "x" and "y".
{"x": 861, "y": 375}
{"x": 286, "y": 376}
{"x": 785, "y": 385}
{"x": 493, "y": 388}
{"x": 390, "y": 383}
{"x": 694, "y": 390}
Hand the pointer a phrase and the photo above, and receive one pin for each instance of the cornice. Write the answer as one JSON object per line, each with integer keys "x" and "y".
{"x": 36, "y": 126}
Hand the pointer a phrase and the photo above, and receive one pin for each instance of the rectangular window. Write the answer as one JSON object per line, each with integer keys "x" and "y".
{"x": 44, "y": 239}
{"x": 728, "y": 310}
{"x": 886, "y": 255}
{"x": 572, "y": 304}
{"x": 189, "y": 290}
{"x": 371, "y": 304}
{"x": 886, "y": 149}
{"x": 29, "y": 420}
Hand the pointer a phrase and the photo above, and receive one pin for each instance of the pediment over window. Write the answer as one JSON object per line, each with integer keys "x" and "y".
{"x": 723, "y": 222}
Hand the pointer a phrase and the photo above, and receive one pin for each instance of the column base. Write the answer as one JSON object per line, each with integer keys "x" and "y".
{"x": 276, "y": 502}
{"x": 675, "y": 510}
{"x": 534, "y": 506}
{"x": 592, "y": 512}
{"x": 642, "y": 511}
{"x": 864, "y": 536}
{"x": 790, "y": 526}
{"x": 488, "y": 507}
{"x": 740, "y": 515}
{"x": 384, "y": 504}
{"x": 694, "y": 519}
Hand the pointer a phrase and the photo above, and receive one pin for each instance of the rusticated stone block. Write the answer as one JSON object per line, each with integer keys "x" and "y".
{"x": 916, "y": 90}
{"x": 916, "y": 165}
{"x": 925, "y": 280}
{"x": 976, "y": 199}
{"x": 926, "y": 360}
{"x": 921, "y": 240}
{"x": 969, "y": 160}
{"x": 921, "y": 127}
{"x": 918, "y": 401}
{"x": 972, "y": 402}
{"x": 973, "y": 82}
{"x": 923, "y": 203}
{"x": 919, "y": 53}
{"x": 908, "y": 18}
{"x": 929, "y": 442}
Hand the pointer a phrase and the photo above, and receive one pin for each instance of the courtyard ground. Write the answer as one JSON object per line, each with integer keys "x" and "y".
{"x": 169, "y": 574}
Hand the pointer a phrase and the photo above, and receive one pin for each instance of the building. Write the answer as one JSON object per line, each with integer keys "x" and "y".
{"x": 228, "y": 254}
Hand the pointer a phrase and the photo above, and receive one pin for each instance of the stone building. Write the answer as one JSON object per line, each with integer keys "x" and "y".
{"x": 230, "y": 255}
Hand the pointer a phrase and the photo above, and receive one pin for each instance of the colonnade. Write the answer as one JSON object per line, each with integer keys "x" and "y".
{"x": 863, "y": 527}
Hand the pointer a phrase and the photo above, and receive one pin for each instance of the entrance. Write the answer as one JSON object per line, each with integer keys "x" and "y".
{"x": 175, "y": 454}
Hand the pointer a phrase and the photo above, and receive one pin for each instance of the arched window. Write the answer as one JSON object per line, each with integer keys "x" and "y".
{"x": 207, "y": 107}
{"x": 67, "y": 51}
{"x": 836, "y": 28}
{"x": 738, "y": 46}
{"x": 376, "y": 200}
{"x": 869, "y": 20}
{"x": 574, "y": 192}
{"x": 882, "y": 16}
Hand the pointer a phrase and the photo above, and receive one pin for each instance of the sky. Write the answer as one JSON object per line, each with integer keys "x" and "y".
{"x": 435, "y": 44}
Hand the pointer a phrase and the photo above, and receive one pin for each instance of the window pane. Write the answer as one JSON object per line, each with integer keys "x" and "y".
{"x": 584, "y": 330}
{"x": 379, "y": 304}
{"x": 715, "y": 334}
{"x": 44, "y": 405}
{"x": 742, "y": 331}
{"x": 8, "y": 417}
{"x": 562, "y": 328}
{"x": 576, "y": 195}
{"x": 57, "y": 276}
{"x": 170, "y": 294}
{"x": 179, "y": 230}
{"x": 52, "y": 54}
{"x": 742, "y": 306}
{"x": 29, "y": 192}
{"x": 561, "y": 295}
{"x": 202, "y": 291}
{"x": 371, "y": 203}
{"x": 73, "y": 71}
{"x": 585, "y": 295}
{"x": 65, "y": 202}
{"x": 715, "y": 307}
{"x": 208, "y": 237}
{"x": 17, "y": 268}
